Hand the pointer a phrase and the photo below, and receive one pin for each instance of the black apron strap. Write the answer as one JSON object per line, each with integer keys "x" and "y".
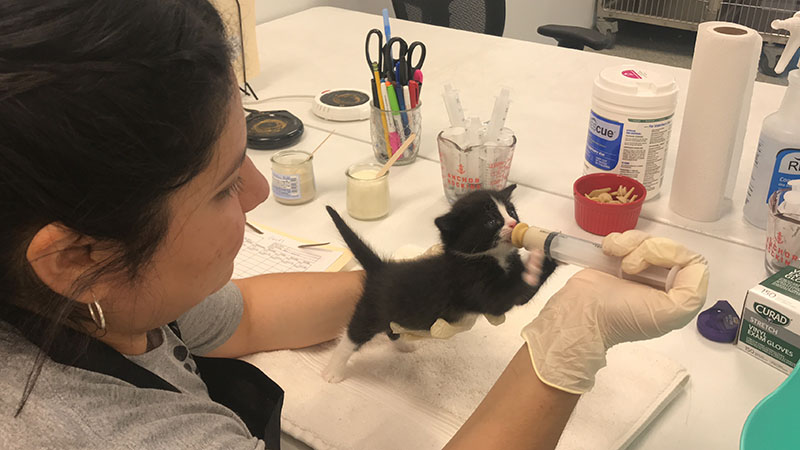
{"x": 245, "y": 390}
{"x": 236, "y": 384}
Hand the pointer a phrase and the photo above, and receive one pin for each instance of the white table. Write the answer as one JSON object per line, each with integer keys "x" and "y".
{"x": 302, "y": 54}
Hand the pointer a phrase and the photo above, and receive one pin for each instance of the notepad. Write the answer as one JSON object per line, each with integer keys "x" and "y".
{"x": 276, "y": 252}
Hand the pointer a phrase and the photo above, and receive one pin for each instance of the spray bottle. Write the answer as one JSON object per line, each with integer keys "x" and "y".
{"x": 777, "y": 160}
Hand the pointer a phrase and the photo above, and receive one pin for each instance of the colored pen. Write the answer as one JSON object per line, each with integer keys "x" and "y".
{"x": 412, "y": 86}
{"x": 394, "y": 138}
{"x": 379, "y": 97}
{"x": 374, "y": 93}
{"x": 401, "y": 106}
{"x": 387, "y": 30}
{"x": 387, "y": 107}
{"x": 395, "y": 107}
{"x": 407, "y": 99}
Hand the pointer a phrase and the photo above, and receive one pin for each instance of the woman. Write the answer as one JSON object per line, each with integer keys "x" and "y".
{"x": 123, "y": 188}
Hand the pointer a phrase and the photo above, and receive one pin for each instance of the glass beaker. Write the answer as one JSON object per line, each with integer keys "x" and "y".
{"x": 783, "y": 236}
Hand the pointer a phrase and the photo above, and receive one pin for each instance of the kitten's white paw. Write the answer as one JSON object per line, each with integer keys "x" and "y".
{"x": 403, "y": 346}
{"x": 334, "y": 371}
{"x": 333, "y": 374}
{"x": 533, "y": 268}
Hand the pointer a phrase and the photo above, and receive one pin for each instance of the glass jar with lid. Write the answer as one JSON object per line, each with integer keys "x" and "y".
{"x": 293, "y": 177}
{"x": 367, "y": 195}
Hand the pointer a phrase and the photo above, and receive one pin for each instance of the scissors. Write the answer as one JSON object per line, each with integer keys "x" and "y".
{"x": 400, "y": 65}
{"x": 412, "y": 68}
{"x": 375, "y": 66}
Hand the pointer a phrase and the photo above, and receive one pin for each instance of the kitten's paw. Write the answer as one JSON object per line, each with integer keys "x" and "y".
{"x": 533, "y": 268}
{"x": 404, "y": 346}
{"x": 333, "y": 374}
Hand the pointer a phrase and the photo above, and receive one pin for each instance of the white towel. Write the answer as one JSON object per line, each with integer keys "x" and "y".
{"x": 392, "y": 400}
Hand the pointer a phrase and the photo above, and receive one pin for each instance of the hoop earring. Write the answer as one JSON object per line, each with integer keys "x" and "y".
{"x": 98, "y": 317}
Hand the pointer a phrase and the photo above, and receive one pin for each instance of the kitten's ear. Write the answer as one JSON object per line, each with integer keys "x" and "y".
{"x": 508, "y": 190}
{"x": 444, "y": 223}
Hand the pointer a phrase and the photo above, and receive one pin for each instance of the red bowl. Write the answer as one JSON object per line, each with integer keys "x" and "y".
{"x": 604, "y": 218}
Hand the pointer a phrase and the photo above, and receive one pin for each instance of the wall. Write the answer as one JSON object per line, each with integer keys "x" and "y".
{"x": 272, "y": 9}
{"x": 523, "y": 17}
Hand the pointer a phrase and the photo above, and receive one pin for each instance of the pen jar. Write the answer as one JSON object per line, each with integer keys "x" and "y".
{"x": 389, "y": 129}
{"x": 367, "y": 196}
{"x": 293, "y": 177}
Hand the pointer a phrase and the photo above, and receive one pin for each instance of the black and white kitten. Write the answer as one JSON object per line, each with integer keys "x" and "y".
{"x": 480, "y": 271}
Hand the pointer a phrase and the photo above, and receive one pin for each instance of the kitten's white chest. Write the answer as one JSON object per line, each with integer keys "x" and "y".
{"x": 500, "y": 254}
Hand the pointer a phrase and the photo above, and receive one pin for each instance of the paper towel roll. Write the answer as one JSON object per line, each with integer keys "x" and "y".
{"x": 714, "y": 119}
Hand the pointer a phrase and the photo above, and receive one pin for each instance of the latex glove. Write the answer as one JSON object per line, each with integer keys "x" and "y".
{"x": 442, "y": 329}
{"x": 595, "y": 311}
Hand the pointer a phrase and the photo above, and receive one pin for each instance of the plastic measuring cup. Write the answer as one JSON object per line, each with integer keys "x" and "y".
{"x": 466, "y": 168}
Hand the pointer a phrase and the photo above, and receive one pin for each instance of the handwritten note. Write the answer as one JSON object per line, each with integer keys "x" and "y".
{"x": 274, "y": 252}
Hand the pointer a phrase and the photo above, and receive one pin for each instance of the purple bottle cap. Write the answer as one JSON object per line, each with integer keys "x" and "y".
{"x": 719, "y": 323}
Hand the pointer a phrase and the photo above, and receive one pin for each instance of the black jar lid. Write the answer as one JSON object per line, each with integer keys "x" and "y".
{"x": 270, "y": 130}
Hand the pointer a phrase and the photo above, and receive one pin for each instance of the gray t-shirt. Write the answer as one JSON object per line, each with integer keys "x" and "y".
{"x": 71, "y": 407}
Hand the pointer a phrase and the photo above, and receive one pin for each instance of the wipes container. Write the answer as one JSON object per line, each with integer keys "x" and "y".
{"x": 630, "y": 124}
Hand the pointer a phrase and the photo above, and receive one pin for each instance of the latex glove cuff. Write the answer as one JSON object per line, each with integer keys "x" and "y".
{"x": 442, "y": 329}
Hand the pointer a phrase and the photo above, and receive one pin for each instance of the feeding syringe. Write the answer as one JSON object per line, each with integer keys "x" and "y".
{"x": 571, "y": 250}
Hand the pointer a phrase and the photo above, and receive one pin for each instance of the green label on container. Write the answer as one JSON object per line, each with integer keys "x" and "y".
{"x": 769, "y": 344}
{"x": 650, "y": 120}
{"x": 786, "y": 282}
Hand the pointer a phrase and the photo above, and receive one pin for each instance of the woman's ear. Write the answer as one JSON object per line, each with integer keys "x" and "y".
{"x": 59, "y": 257}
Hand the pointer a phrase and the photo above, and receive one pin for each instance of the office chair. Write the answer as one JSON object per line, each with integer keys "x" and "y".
{"x": 577, "y": 37}
{"x": 482, "y": 16}
{"x": 489, "y": 17}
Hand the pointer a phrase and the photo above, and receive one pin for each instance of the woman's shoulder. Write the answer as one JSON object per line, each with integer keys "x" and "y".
{"x": 76, "y": 408}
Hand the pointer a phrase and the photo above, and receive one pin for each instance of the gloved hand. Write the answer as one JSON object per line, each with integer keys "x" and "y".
{"x": 595, "y": 311}
{"x": 442, "y": 329}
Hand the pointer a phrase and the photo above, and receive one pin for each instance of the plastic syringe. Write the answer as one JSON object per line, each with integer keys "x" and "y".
{"x": 499, "y": 114}
{"x": 455, "y": 112}
{"x": 571, "y": 250}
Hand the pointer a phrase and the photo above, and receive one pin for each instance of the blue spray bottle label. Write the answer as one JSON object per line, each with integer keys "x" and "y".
{"x": 604, "y": 142}
{"x": 786, "y": 169}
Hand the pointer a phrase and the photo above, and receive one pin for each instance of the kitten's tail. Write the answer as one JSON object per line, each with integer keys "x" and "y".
{"x": 360, "y": 249}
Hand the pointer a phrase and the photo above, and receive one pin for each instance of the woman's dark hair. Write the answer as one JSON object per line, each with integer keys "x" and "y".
{"x": 106, "y": 108}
